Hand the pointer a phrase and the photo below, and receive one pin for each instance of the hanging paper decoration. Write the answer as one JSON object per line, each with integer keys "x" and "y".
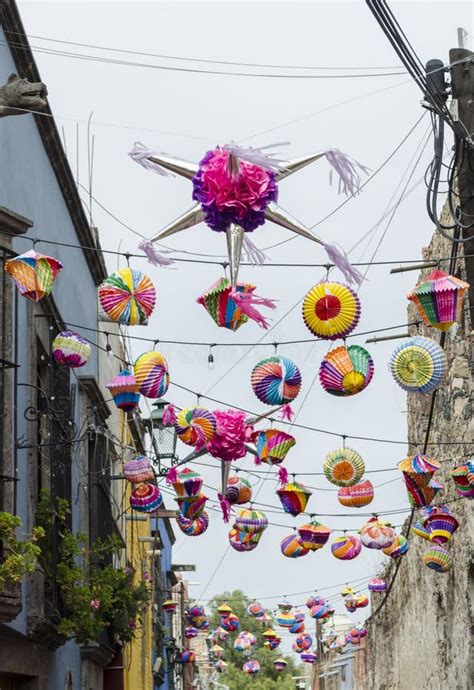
{"x": 239, "y": 490}
{"x": 224, "y": 610}
{"x": 313, "y": 535}
{"x": 350, "y": 602}
{"x": 280, "y": 664}
{"x": 196, "y": 616}
{"x": 243, "y": 541}
{"x": 357, "y": 495}
{"x": 256, "y": 609}
{"x": 236, "y": 191}
{"x": 146, "y": 498}
{"x": 294, "y": 498}
{"x": 192, "y": 507}
{"x": 187, "y": 657}
{"x": 221, "y": 666}
{"x": 251, "y": 667}
{"x": 309, "y": 657}
{"x": 242, "y": 642}
{"x": 420, "y": 531}
{"x": 297, "y": 627}
{"x": 285, "y": 619}
{"x": 138, "y": 470}
{"x": 124, "y": 390}
{"x": 437, "y": 559}
{"x": 152, "y": 375}
{"x": 230, "y": 307}
{"x": 251, "y": 521}
{"x": 398, "y": 547}
{"x": 216, "y": 651}
{"x": 272, "y": 445}
{"x": 439, "y": 298}
{"x": 169, "y": 606}
{"x": 188, "y": 483}
{"x": 343, "y": 467}
{"x": 291, "y": 546}
{"x": 346, "y": 548}
{"x": 190, "y": 632}
{"x": 377, "y": 584}
{"x": 362, "y": 601}
{"x": 418, "y": 473}
{"x": 128, "y": 297}
{"x": 347, "y": 591}
{"x": 33, "y": 274}
{"x": 377, "y": 534}
{"x": 463, "y": 477}
{"x": 346, "y": 371}
{"x": 231, "y": 623}
{"x": 304, "y": 642}
{"x": 270, "y": 634}
{"x": 195, "y": 426}
{"x": 418, "y": 365}
{"x": 71, "y": 350}
{"x": 331, "y": 310}
{"x": 441, "y": 524}
{"x": 193, "y": 528}
{"x": 228, "y": 442}
{"x": 276, "y": 380}
{"x": 320, "y": 610}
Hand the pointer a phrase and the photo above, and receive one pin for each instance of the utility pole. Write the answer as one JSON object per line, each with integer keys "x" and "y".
{"x": 462, "y": 83}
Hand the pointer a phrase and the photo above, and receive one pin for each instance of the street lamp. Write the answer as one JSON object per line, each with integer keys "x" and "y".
{"x": 163, "y": 437}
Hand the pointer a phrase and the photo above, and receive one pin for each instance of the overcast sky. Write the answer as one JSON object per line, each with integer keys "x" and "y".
{"x": 187, "y": 113}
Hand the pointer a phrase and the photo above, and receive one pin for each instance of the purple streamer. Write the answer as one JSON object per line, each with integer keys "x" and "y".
{"x": 348, "y": 170}
{"x": 340, "y": 260}
{"x": 154, "y": 257}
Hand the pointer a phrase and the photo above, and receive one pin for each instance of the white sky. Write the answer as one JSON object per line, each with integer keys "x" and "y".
{"x": 185, "y": 114}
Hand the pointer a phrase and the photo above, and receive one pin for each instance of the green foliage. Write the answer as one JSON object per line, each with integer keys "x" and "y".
{"x": 268, "y": 678}
{"x": 97, "y": 596}
{"x": 18, "y": 557}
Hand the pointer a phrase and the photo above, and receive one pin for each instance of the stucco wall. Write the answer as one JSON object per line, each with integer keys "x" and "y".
{"x": 421, "y": 638}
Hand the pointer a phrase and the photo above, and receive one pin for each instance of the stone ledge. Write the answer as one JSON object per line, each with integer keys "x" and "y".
{"x": 10, "y": 602}
{"x": 99, "y": 653}
{"x": 13, "y": 223}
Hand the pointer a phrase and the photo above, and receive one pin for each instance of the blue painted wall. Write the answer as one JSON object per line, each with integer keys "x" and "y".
{"x": 166, "y": 559}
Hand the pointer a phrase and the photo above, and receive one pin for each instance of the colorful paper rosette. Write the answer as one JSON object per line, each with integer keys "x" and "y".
{"x": 195, "y": 426}
{"x": 146, "y": 498}
{"x": 272, "y": 445}
{"x": 251, "y": 521}
{"x": 239, "y": 490}
{"x": 441, "y": 525}
{"x": 127, "y": 297}
{"x": 293, "y": 497}
{"x": 356, "y": 495}
{"x": 418, "y": 365}
{"x": 243, "y": 541}
{"x": 33, "y": 274}
{"x": 71, "y": 350}
{"x": 193, "y": 528}
{"x": 152, "y": 374}
{"x": 251, "y": 667}
{"x": 343, "y": 467}
{"x": 377, "y": 534}
{"x": 124, "y": 391}
{"x": 346, "y": 370}
{"x": 188, "y": 483}
{"x": 437, "y": 559}
{"x": 224, "y": 304}
{"x": 439, "y": 299}
{"x": 331, "y": 310}
{"x": 228, "y": 442}
{"x": 314, "y": 535}
{"x": 291, "y": 546}
{"x": 138, "y": 470}
{"x": 398, "y": 547}
{"x": 377, "y": 584}
{"x": 191, "y": 507}
{"x": 280, "y": 664}
{"x": 463, "y": 477}
{"x": 346, "y": 548}
{"x": 276, "y": 380}
{"x": 187, "y": 656}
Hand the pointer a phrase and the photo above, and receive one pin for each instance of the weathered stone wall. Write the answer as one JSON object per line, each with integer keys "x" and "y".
{"x": 421, "y": 637}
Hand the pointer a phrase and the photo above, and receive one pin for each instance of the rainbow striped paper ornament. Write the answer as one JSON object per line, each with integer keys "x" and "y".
{"x": 293, "y": 497}
{"x": 124, "y": 390}
{"x": 33, "y": 274}
{"x": 276, "y": 380}
{"x": 314, "y": 535}
{"x": 71, "y": 350}
{"x": 152, "y": 375}
{"x": 128, "y": 297}
{"x": 439, "y": 299}
{"x": 272, "y": 445}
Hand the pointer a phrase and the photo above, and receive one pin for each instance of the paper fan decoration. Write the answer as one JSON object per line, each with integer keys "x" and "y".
{"x": 239, "y": 490}
{"x": 195, "y": 426}
{"x": 33, "y": 274}
{"x": 243, "y": 541}
{"x": 151, "y": 374}
{"x": 128, "y": 297}
{"x": 377, "y": 584}
{"x": 346, "y": 548}
{"x": 251, "y": 521}
{"x": 377, "y": 534}
{"x": 291, "y": 546}
{"x": 441, "y": 525}
{"x": 146, "y": 498}
{"x": 343, "y": 467}
{"x": 124, "y": 390}
{"x": 294, "y": 498}
{"x": 439, "y": 298}
{"x": 357, "y": 495}
{"x": 398, "y": 547}
{"x": 437, "y": 559}
{"x": 346, "y": 371}
{"x": 231, "y": 308}
{"x": 138, "y": 470}
{"x": 331, "y": 310}
{"x": 188, "y": 483}
{"x": 418, "y": 365}
{"x": 313, "y": 536}
{"x": 71, "y": 349}
{"x": 463, "y": 477}
{"x": 276, "y": 380}
{"x": 272, "y": 445}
